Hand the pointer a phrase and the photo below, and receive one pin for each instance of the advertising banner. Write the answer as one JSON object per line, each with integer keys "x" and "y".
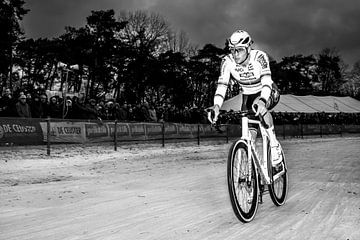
{"x": 122, "y": 130}
{"x": 20, "y": 131}
{"x": 97, "y": 132}
{"x": 137, "y": 131}
{"x": 34, "y": 131}
{"x": 311, "y": 129}
{"x": 170, "y": 129}
{"x": 153, "y": 129}
{"x": 351, "y": 128}
{"x": 186, "y": 130}
{"x": 72, "y": 132}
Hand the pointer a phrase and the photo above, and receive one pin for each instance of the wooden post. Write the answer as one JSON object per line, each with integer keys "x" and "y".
{"x": 48, "y": 136}
{"x": 198, "y": 134}
{"x": 115, "y": 136}
{"x": 321, "y": 132}
{"x": 227, "y": 133}
{"x": 341, "y": 130}
{"x": 163, "y": 134}
{"x": 283, "y": 131}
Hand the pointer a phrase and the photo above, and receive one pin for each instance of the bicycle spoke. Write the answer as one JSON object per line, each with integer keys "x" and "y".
{"x": 240, "y": 171}
{"x": 243, "y": 194}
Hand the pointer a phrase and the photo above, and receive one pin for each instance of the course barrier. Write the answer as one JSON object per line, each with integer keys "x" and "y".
{"x": 20, "y": 131}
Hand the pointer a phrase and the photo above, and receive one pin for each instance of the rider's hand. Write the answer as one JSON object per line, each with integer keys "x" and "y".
{"x": 216, "y": 112}
{"x": 261, "y": 107}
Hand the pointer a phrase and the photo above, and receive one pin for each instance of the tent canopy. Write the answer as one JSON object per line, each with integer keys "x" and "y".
{"x": 305, "y": 104}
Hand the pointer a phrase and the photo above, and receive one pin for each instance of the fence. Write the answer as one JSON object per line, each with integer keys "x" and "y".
{"x": 21, "y": 131}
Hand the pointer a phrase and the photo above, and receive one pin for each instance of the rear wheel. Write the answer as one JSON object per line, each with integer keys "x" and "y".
{"x": 243, "y": 182}
{"x": 278, "y": 189}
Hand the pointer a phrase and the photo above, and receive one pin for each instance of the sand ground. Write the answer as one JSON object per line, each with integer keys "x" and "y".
{"x": 144, "y": 191}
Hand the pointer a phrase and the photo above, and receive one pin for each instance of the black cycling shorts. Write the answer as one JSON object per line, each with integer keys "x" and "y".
{"x": 249, "y": 100}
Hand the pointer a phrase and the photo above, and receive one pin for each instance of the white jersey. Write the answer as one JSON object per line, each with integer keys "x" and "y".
{"x": 249, "y": 76}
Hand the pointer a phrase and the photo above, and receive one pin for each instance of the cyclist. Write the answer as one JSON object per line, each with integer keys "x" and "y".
{"x": 249, "y": 68}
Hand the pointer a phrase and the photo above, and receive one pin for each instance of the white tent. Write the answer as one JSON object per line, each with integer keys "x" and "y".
{"x": 305, "y": 104}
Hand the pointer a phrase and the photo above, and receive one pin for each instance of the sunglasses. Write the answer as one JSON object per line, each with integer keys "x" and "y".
{"x": 237, "y": 50}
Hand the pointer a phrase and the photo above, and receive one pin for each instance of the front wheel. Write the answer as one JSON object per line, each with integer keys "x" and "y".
{"x": 243, "y": 182}
{"x": 278, "y": 189}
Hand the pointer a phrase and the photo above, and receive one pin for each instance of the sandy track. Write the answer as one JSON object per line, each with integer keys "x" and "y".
{"x": 176, "y": 192}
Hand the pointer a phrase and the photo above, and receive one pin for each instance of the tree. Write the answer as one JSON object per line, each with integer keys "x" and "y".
{"x": 329, "y": 72}
{"x": 179, "y": 42}
{"x": 145, "y": 35}
{"x": 11, "y": 13}
{"x": 351, "y": 85}
{"x": 37, "y": 60}
{"x": 205, "y": 70}
{"x": 104, "y": 32}
{"x": 144, "y": 31}
{"x": 295, "y": 74}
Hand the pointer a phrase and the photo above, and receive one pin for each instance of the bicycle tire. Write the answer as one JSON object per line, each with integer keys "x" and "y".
{"x": 244, "y": 206}
{"x": 278, "y": 189}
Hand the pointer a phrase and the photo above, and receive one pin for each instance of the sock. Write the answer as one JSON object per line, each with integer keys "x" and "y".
{"x": 272, "y": 137}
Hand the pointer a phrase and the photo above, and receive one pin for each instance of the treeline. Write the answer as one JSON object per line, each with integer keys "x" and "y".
{"x": 136, "y": 57}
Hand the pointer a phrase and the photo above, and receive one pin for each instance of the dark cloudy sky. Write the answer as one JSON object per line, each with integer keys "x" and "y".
{"x": 280, "y": 27}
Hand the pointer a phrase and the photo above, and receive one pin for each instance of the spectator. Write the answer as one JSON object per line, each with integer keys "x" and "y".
{"x": 44, "y": 105}
{"x": 68, "y": 109}
{"x": 186, "y": 115}
{"x": 124, "y": 112}
{"x": 121, "y": 112}
{"x": 116, "y": 111}
{"x": 90, "y": 110}
{"x": 160, "y": 114}
{"x": 55, "y": 111}
{"x": 100, "y": 111}
{"x": 7, "y": 104}
{"x": 131, "y": 114}
{"x": 28, "y": 98}
{"x": 144, "y": 112}
{"x": 22, "y": 108}
{"x": 36, "y": 107}
{"x": 82, "y": 111}
{"x": 108, "y": 110}
{"x": 152, "y": 113}
{"x": 136, "y": 111}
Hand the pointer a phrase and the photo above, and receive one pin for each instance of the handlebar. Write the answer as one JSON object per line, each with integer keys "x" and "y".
{"x": 245, "y": 113}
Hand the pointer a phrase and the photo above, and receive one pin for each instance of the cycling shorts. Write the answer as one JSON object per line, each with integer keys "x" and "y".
{"x": 249, "y": 100}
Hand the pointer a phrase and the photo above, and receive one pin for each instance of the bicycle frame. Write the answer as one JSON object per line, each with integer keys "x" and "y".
{"x": 261, "y": 162}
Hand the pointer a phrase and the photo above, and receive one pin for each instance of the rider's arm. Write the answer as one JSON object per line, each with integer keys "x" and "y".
{"x": 266, "y": 82}
{"x": 265, "y": 75}
{"x": 222, "y": 84}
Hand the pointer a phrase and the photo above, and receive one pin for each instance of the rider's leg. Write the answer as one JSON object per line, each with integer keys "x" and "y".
{"x": 274, "y": 143}
{"x": 247, "y": 101}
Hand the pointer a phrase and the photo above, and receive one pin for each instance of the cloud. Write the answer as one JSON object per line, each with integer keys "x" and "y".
{"x": 282, "y": 28}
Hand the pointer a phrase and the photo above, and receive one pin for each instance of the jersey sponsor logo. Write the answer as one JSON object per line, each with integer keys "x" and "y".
{"x": 247, "y": 75}
{"x": 239, "y": 69}
{"x": 261, "y": 59}
{"x": 223, "y": 65}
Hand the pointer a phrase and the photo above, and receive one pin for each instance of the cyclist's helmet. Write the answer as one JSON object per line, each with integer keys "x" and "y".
{"x": 240, "y": 38}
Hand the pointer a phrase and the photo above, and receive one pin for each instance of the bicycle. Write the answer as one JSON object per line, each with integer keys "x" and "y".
{"x": 248, "y": 173}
